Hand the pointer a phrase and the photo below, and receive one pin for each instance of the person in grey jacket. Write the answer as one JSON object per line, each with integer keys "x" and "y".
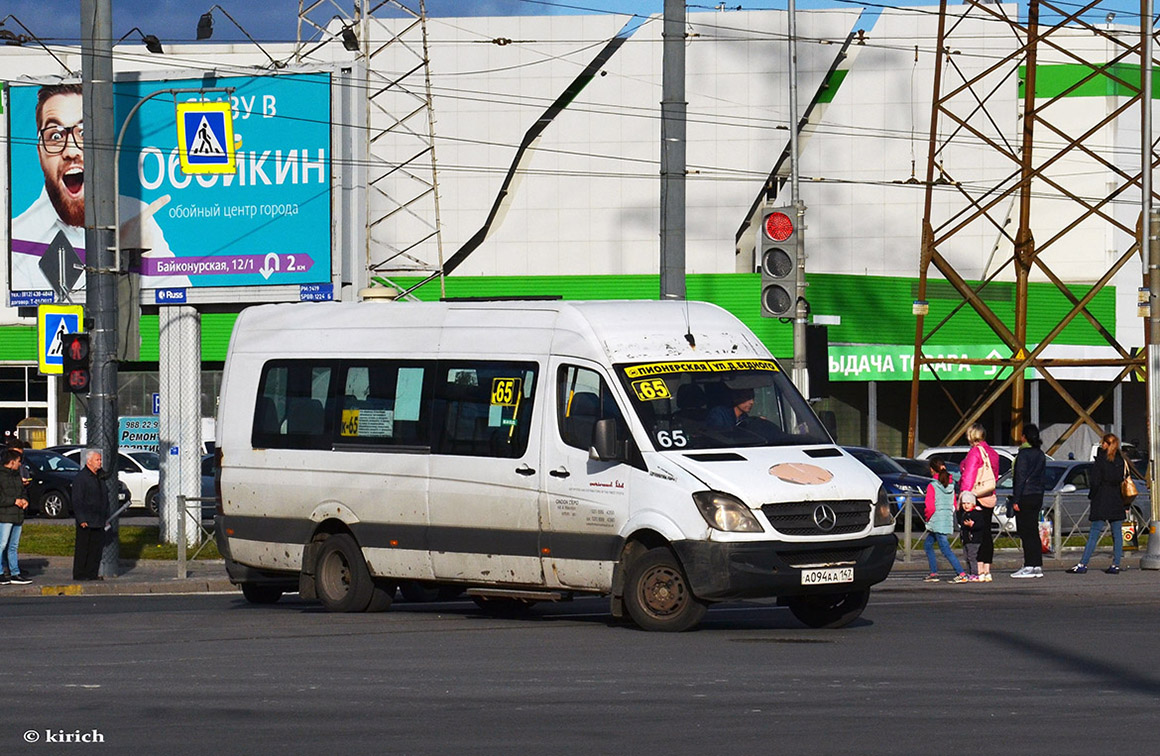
{"x": 13, "y": 502}
{"x": 90, "y": 503}
{"x": 1027, "y": 500}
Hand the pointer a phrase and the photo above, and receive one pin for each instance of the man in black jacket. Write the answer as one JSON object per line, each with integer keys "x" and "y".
{"x": 1027, "y": 500}
{"x": 90, "y": 503}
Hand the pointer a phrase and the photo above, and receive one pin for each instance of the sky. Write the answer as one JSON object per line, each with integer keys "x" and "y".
{"x": 175, "y": 21}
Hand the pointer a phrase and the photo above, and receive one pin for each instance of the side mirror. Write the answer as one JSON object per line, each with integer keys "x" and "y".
{"x": 606, "y": 444}
{"x": 1069, "y": 488}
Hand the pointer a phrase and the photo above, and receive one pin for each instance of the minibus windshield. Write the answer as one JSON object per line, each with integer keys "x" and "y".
{"x": 718, "y": 404}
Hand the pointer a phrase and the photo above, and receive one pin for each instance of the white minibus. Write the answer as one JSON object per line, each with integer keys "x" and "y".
{"x": 526, "y": 451}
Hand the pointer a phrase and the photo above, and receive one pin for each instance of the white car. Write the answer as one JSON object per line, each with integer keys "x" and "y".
{"x": 138, "y": 469}
{"x": 957, "y": 454}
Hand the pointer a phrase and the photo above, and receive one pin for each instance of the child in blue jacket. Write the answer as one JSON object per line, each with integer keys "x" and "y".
{"x": 940, "y": 520}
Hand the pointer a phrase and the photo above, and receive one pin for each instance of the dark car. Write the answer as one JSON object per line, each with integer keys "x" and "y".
{"x": 921, "y": 467}
{"x": 1067, "y": 481}
{"x": 900, "y": 485}
{"x": 48, "y": 478}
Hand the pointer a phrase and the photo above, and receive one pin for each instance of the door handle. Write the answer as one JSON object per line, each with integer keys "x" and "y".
{"x": 560, "y": 472}
{"x": 525, "y": 470}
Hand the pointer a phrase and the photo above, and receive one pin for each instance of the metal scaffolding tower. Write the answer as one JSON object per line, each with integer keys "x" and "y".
{"x": 1037, "y": 167}
{"x": 403, "y": 226}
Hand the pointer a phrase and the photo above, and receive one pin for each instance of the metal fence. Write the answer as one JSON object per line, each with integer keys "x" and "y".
{"x": 1064, "y": 528}
{"x": 204, "y": 530}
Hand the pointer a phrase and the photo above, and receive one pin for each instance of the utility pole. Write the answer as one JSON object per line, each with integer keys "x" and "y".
{"x": 673, "y": 113}
{"x": 1150, "y": 230}
{"x": 800, "y": 374}
{"x": 101, "y": 294}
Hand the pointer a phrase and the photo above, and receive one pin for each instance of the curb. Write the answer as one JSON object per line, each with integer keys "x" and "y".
{"x": 113, "y": 587}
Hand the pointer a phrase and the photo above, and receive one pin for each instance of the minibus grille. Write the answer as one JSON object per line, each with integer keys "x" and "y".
{"x": 798, "y": 517}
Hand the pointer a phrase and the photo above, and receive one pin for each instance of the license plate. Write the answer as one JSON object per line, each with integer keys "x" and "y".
{"x": 823, "y": 577}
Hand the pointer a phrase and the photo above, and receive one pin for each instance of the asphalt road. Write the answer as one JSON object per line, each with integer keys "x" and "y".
{"x": 1020, "y": 667}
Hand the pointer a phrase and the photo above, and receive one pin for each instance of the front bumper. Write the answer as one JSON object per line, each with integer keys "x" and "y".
{"x": 721, "y": 571}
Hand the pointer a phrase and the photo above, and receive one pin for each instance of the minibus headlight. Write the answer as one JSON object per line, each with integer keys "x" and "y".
{"x": 725, "y": 512}
{"x": 882, "y": 514}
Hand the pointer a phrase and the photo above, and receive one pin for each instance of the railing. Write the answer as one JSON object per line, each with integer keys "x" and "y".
{"x": 1058, "y": 537}
{"x": 204, "y": 535}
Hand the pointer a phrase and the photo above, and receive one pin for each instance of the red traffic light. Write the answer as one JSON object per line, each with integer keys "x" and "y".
{"x": 78, "y": 349}
{"x": 778, "y": 226}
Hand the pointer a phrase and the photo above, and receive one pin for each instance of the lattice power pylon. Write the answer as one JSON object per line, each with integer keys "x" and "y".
{"x": 404, "y": 236}
{"x": 1034, "y": 164}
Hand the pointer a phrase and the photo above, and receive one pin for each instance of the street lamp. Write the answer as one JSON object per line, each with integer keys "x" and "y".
{"x": 117, "y": 159}
{"x": 349, "y": 39}
{"x": 205, "y": 31}
{"x": 19, "y": 39}
{"x": 152, "y": 44}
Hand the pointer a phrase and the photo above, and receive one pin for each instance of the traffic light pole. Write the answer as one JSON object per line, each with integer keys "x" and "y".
{"x": 800, "y": 374}
{"x": 100, "y": 241}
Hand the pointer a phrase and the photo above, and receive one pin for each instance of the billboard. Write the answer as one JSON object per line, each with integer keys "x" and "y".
{"x": 266, "y": 224}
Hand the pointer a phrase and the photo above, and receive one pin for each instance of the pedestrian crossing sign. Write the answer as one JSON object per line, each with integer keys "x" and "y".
{"x": 205, "y": 137}
{"x": 52, "y": 322}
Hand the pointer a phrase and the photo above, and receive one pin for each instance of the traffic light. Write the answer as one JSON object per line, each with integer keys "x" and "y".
{"x": 75, "y": 362}
{"x": 778, "y": 254}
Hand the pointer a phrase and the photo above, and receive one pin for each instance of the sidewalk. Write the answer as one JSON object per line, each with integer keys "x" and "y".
{"x": 52, "y": 576}
{"x": 1009, "y": 560}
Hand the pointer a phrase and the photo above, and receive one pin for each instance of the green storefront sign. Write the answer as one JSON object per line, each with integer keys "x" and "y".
{"x": 884, "y": 362}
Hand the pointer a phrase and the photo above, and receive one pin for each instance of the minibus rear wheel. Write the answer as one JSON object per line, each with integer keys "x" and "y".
{"x": 342, "y": 580}
{"x": 829, "y": 610}
{"x": 657, "y": 595}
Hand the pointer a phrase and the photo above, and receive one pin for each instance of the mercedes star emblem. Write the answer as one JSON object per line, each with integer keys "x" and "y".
{"x": 825, "y": 517}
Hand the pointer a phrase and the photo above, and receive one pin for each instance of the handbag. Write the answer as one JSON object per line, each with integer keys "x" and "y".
{"x": 984, "y": 487}
{"x": 1128, "y": 491}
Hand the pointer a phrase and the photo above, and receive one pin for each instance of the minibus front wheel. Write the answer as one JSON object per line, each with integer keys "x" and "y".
{"x": 829, "y": 610}
{"x": 342, "y": 580}
{"x": 657, "y": 595}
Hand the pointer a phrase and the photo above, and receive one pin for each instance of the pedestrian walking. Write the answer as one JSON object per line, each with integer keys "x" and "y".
{"x": 13, "y": 503}
{"x": 1108, "y": 507}
{"x": 971, "y": 527}
{"x": 90, "y": 502}
{"x": 1027, "y": 500}
{"x": 978, "y": 471}
{"x": 940, "y": 519}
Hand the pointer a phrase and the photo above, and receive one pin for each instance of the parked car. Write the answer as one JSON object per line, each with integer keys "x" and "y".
{"x": 1069, "y": 479}
{"x": 48, "y": 478}
{"x": 957, "y": 454}
{"x": 138, "y": 469}
{"x": 900, "y": 485}
{"x": 921, "y": 467}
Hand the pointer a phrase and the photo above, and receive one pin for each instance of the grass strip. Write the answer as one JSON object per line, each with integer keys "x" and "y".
{"x": 137, "y": 542}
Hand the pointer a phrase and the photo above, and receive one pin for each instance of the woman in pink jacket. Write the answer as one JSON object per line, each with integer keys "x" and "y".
{"x": 972, "y": 469}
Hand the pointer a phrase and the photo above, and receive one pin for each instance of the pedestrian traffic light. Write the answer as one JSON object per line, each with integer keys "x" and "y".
{"x": 778, "y": 257}
{"x": 75, "y": 362}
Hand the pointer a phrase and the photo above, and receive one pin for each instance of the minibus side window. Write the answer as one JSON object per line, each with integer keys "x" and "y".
{"x": 381, "y": 404}
{"x": 582, "y": 398}
{"x": 483, "y": 409}
{"x": 293, "y": 406}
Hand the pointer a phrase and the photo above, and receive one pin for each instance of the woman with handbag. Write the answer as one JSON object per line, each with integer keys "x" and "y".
{"x": 1027, "y": 500}
{"x": 1105, "y": 489}
{"x": 979, "y": 472}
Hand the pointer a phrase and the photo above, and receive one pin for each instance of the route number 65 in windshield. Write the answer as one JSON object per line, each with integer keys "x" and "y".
{"x": 669, "y": 439}
{"x": 651, "y": 388}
